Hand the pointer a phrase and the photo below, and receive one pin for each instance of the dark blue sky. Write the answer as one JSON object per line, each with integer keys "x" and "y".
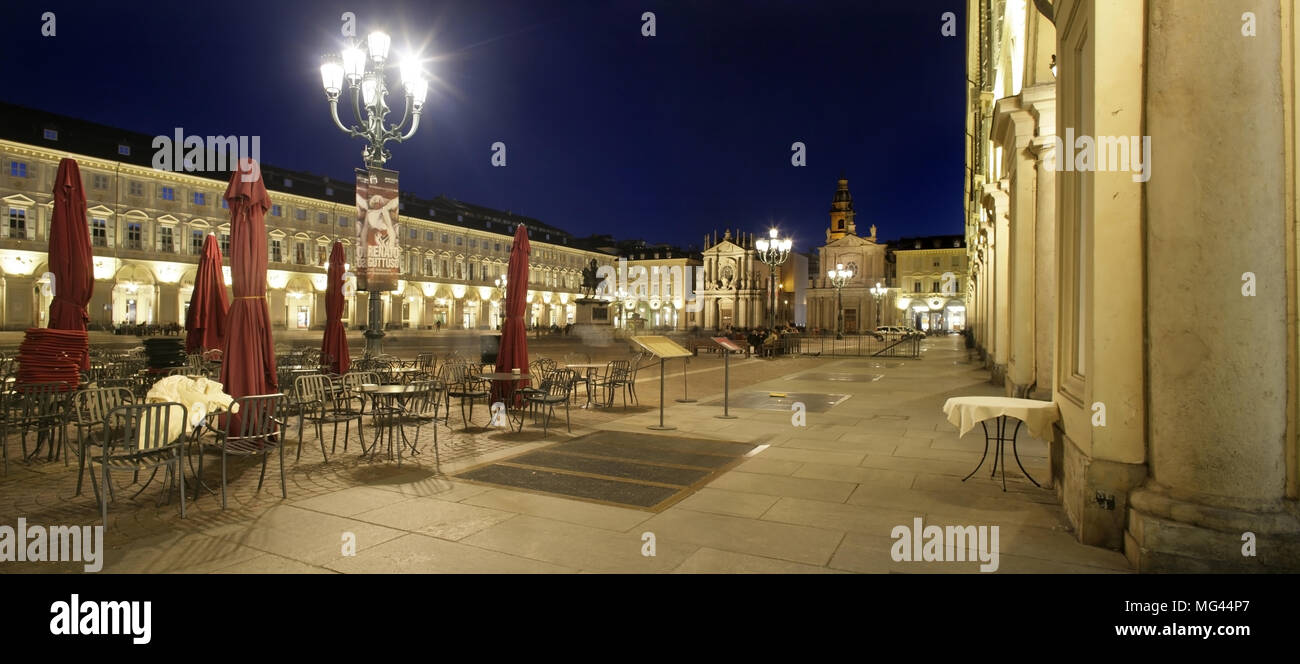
{"x": 662, "y": 138}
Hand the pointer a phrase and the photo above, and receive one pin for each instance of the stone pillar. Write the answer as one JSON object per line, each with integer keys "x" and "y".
{"x": 1217, "y": 418}
{"x": 1043, "y": 148}
{"x": 1013, "y": 129}
{"x": 169, "y": 300}
{"x": 999, "y": 255}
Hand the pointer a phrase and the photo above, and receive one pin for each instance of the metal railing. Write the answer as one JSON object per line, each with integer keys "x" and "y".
{"x": 852, "y": 345}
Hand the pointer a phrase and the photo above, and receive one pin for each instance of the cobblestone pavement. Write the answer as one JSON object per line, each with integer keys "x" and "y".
{"x": 819, "y": 498}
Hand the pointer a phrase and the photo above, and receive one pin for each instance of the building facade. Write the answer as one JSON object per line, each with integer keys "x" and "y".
{"x": 147, "y": 228}
{"x": 864, "y": 256}
{"x": 666, "y": 301}
{"x": 931, "y": 273}
{"x": 1155, "y": 306}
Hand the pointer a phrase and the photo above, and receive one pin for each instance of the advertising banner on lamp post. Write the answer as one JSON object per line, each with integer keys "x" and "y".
{"x": 378, "y": 253}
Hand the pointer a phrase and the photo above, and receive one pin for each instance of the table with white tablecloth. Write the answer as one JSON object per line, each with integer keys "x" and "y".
{"x": 965, "y": 412}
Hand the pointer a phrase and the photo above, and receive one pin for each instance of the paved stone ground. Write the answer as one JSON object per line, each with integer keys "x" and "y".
{"x": 819, "y": 498}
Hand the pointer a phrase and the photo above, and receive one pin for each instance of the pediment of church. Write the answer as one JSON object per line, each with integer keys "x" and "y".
{"x": 851, "y": 241}
{"x": 724, "y": 247}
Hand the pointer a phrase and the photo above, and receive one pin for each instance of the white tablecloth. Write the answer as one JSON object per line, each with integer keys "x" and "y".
{"x": 966, "y": 412}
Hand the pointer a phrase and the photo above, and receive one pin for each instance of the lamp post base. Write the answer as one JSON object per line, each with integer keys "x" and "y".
{"x": 375, "y": 326}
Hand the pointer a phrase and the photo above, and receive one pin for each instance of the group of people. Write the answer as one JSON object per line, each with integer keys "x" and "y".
{"x": 758, "y": 337}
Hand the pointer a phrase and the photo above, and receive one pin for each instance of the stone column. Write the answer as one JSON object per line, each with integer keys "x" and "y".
{"x": 1044, "y": 111}
{"x": 1217, "y": 364}
{"x": 999, "y": 256}
{"x": 1013, "y": 129}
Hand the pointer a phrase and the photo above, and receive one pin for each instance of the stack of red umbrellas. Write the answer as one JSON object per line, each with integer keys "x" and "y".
{"x": 47, "y": 355}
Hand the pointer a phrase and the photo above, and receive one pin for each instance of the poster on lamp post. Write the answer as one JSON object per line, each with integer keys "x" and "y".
{"x": 378, "y": 254}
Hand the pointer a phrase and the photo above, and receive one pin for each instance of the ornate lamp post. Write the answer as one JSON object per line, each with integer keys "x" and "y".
{"x": 500, "y": 283}
{"x": 364, "y": 71}
{"x": 773, "y": 251}
{"x": 878, "y": 292}
{"x": 838, "y": 277}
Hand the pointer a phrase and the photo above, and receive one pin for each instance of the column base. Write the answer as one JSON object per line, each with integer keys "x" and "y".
{"x": 997, "y": 372}
{"x": 1094, "y": 492}
{"x": 1168, "y": 533}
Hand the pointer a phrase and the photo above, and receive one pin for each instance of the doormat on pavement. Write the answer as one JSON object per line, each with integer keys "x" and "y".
{"x": 637, "y": 470}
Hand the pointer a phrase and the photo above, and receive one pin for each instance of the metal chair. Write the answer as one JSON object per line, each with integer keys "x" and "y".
{"x": 86, "y": 412}
{"x": 462, "y": 381}
{"x": 555, "y": 389}
{"x": 39, "y": 406}
{"x": 586, "y": 377}
{"x": 617, "y": 375}
{"x": 319, "y": 401}
{"x": 145, "y": 442}
{"x": 420, "y": 408}
{"x": 255, "y": 429}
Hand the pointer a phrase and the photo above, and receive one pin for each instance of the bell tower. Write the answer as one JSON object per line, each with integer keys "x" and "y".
{"x": 841, "y": 212}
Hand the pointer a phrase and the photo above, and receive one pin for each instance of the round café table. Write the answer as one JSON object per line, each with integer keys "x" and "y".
{"x": 588, "y": 378}
{"x": 965, "y": 412}
{"x": 389, "y": 401}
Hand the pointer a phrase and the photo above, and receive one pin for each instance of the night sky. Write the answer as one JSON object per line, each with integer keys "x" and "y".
{"x": 660, "y": 138}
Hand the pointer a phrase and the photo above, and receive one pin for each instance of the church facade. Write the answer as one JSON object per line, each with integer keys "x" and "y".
{"x": 735, "y": 291}
{"x": 864, "y": 256}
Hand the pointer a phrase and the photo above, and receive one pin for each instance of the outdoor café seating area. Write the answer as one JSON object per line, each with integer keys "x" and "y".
{"x": 126, "y": 424}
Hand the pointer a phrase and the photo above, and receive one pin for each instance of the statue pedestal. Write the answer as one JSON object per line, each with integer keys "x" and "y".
{"x": 592, "y": 312}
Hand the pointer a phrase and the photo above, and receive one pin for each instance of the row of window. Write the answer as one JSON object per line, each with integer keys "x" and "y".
{"x": 938, "y": 287}
{"x": 199, "y": 199}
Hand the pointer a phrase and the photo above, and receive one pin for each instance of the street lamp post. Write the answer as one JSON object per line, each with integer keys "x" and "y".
{"x": 773, "y": 251}
{"x": 370, "y": 92}
{"x": 838, "y": 277}
{"x": 501, "y": 295}
{"x": 878, "y": 292}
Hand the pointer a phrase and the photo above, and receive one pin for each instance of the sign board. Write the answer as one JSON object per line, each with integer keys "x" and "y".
{"x": 378, "y": 254}
{"x": 727, "y": 344}
{"x": 662, "y": 347}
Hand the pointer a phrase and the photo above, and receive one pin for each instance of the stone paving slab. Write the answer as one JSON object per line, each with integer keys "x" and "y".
{"x": 715, "y": 561}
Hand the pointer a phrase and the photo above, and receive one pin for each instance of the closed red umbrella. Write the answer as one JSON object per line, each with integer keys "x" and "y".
{"x": 205, "y": 322}
{"x": 69, "y": 253}
{"x": 335, "y": 344}
{"x": 248, "y": 365}
{"x": 513, "y": 352}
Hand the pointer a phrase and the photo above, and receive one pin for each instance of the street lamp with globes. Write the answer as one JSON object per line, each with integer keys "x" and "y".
{"x": 878, "y": 292}
{"x": 364, "y": 71}
{"x": 773, "y": 251}
{"x": 500, "y": 283}
{"x": 838, "y": 277}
